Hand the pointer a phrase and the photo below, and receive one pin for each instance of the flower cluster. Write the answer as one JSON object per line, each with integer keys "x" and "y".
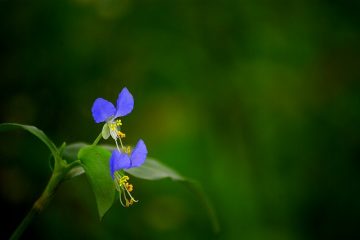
{"x": 122, "y": 157}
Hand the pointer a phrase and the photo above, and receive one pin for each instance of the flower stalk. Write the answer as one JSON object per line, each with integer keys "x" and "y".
{"x": 61, "y": 168}
{"x": 96, "y": 141}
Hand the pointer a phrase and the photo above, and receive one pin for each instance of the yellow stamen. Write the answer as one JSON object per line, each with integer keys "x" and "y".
{"x": 123, "y": 180}
{"x": 118, "y": 122}
{"x": 129, "y": 186}
{"x": 129, "y": 203}
{"x": 124, "y": 188}
{"x": 112, "y": 127}
{"x": 127, "y": 149}
{"x": 120, "y": 134}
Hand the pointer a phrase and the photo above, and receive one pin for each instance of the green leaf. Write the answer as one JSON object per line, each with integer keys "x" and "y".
{"x": 154, "y": 170}
{"x": 95, "y": 161}
{"x": 35, "y": 131}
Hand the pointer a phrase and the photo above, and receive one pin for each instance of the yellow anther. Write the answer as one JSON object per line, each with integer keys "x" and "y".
{"x": 121, "y": 134}
{"x": 127, "y": 149}
{"x": 112, "y": 126}
{"x": 129, "y": 203}
{"x": 118, "y": 122}
{"x": 129, "y": 187}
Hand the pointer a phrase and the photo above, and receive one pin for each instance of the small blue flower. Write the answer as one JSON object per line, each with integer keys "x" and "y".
{"x": 119, "y": 161}
{"x": 104, "y": 111}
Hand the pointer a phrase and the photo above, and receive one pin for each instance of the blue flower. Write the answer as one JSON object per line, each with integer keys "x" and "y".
{"x": 104, "y": 111}
{"x": 119, "y": 161}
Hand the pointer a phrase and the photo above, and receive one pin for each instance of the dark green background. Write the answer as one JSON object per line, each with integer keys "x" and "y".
{"x": 258, "y": 100}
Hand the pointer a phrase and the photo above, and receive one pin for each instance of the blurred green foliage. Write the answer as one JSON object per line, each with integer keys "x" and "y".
{"x": 258, "y": 100}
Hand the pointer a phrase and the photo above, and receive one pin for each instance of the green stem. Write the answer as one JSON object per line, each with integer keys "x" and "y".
{"x": 24, "y": 223}
{"x": 97, "y": 139}
{"x": 60, "y": 170}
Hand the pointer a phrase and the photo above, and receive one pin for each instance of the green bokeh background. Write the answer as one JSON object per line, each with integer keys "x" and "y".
{"x": 258, "y": 100}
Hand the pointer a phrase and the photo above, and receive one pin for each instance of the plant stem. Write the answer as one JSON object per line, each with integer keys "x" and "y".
{"x": 24, "y": 223}
{"x": 97, "y": 139}
{"x": 60, "y": 170}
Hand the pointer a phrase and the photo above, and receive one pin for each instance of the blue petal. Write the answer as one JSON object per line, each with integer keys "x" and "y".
{"x": 118, "y": 161}
{"x": 102, "y": 110}
{"x": 125, "y": 103}
{"x": 139, "y": 154}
